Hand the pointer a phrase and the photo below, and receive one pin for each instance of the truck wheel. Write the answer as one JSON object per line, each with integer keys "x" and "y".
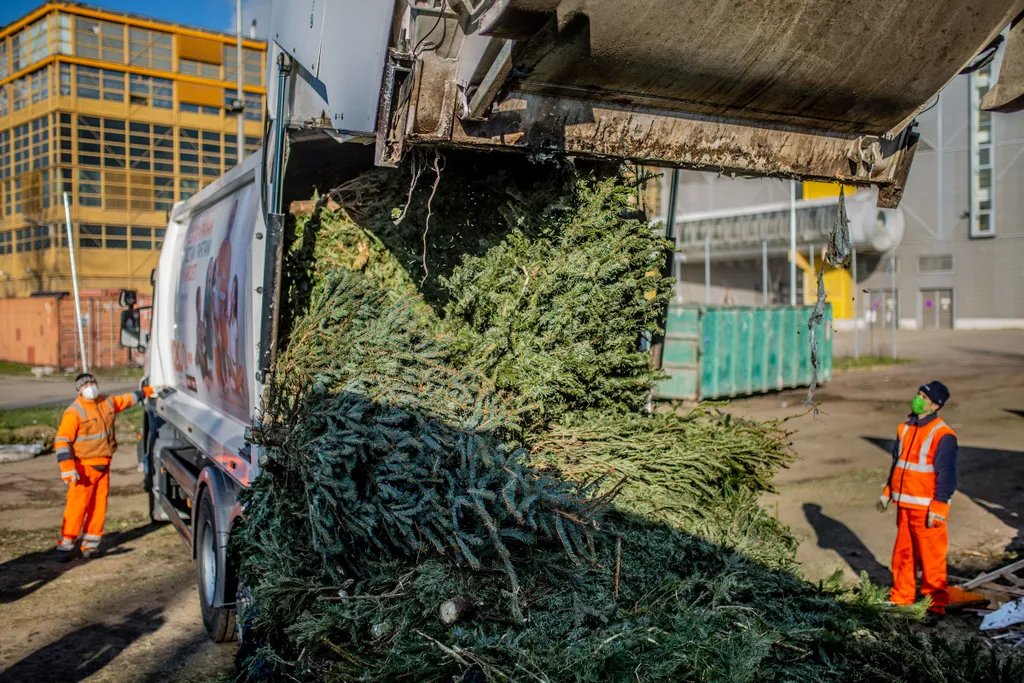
{"x": 219, "y": 621}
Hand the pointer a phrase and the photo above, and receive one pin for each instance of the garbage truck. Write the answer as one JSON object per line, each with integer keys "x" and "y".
{"x": 805, "y": 89}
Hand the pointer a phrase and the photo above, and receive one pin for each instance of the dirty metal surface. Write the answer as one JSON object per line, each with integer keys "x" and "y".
{"x": 860, "y": 67}
{"x": 537, "y": 123}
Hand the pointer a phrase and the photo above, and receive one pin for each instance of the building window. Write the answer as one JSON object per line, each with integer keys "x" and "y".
{"x": 163, "y": 193}
{"x": 19, "y": 93}
{"x": 187, "y": 187}
{"x": 40, "y": 142}
{"x": 88, "y": 82}
{"x": 99, "y": 40}
{"x": 201, "y": 69}
{"x": 113, "y": 86}
{"x": 39, "y": 85}
{"x": 982, "y": 194}
{"x": 90, "y": 188}
{"x": 64, "y": 34}
{"x": 5, "y": 154}
{"x": 30, "y": 45}
{"x": 142, "y": 238}
{"x": 163, "y": 149}
{"x": 3, "y": 100}
{"x": 65, "y": 79}
{"x": 22, "y": 149}
{"x": 189, "y": 108}
{"x": 188, "y": 151}
{"x": 4, "y": 70}
{"x": 115, "y": 188}
{"x": 252, "y": 65}
{"x": 90, "y": 141}
{"x": 150, "y": 49}
{"x": 211, "y": 156}
{"x": 5, "y": 242}
{"x": 65, "y": 135}
{"x": 935, "y": 264}
{"x": 253, "y": 103}
{"x": 116, "y": 237}
{"x": 113, "y": 143}
{"x": 156, "y": 92}
{"x": 90, "y": 236}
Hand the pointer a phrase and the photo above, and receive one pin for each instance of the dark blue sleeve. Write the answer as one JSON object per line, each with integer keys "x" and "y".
{"x": 945, "y": 468}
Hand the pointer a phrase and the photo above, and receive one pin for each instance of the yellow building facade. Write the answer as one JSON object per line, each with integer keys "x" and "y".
{"x": 127, "y": 115}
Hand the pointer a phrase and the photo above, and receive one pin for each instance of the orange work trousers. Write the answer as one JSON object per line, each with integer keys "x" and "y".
{"x": 86, "y": 502}
{"x": 917, "y": 546}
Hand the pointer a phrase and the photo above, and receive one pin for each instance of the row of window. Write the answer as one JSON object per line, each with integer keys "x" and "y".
{"x": 90, "y": 236}
{"x": 112, "y": 86}
{"x": 114, "y": 42}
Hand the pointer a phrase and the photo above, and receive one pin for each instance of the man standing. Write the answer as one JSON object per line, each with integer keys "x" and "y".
{"x": 85, "y": 443}
{"x": 921, "y": 482}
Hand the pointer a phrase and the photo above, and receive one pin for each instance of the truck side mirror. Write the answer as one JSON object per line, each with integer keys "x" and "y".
{"x": 131, "y": 329}
{"x": 128, "y": 298}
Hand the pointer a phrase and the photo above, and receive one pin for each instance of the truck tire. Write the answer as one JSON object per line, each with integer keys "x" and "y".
{"x": 219, "y": 621}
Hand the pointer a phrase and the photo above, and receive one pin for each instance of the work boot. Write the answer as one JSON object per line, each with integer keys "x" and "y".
{"x": 91, "y": 553}
{"x": 64, "y": 556}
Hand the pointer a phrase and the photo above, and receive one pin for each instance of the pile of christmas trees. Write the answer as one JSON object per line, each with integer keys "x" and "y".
{"x": 461, "y": 482}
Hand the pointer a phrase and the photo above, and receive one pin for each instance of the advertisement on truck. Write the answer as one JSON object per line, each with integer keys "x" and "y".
{"x": 210, "y": 334}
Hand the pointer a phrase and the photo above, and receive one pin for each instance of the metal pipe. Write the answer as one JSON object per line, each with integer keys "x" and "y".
{"x": 283, "y": 68}
{"x": 74, "y": 283}
{"x": 707, "y": 269}
{"x": 764, "y": 272}
{"x": 856, "y": 302}
{"x": 809, "y": 287}
{"x": 792, "y": 243}
{"x": 895, "y": 301}
{"x": 241, "y": 95}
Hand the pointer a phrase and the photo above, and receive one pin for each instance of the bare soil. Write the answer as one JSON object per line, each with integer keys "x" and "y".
{"x": 133, "y": 614}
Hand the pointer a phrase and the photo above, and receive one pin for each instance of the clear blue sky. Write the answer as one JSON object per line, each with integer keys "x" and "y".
{"x": 214, "y": 14}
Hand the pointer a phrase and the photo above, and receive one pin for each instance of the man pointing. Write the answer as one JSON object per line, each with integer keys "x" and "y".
{"x": 921, "y": 482}
{"x": 85, "y": 443}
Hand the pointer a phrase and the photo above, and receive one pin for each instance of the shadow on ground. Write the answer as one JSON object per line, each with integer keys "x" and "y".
{"x": 28, "y": 573}
{"x": 992, "y": 478}
{"x": 834, "y": 535}
{"x": 84, "y": 651}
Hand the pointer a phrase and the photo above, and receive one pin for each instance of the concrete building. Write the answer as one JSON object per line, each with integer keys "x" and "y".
{"x": 128, "y": 115}
{"x": 952, "y": 255}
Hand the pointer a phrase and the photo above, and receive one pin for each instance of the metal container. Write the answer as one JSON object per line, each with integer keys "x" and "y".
{"x": 722, "y": 351}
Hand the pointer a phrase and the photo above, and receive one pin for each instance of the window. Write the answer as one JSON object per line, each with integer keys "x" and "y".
{"x": 39, "y": 86}
{"x": 90, "y": 141}
{"x": 65, "y": 79}
{"x": 116, "y": 237}
{"x": 64, "y": 34}
{"x": 202, "y": 69}
{"x": 156, "y": 92}
{"x": 113, "y": 86}
{"x": 187, "y": 187}
{"x": 188, "y": 151}
{"x": 40, "y": 142}
{"x": 30, "y": 45}
{"x": 982, "y": 188}
{"x": 90, "y": 188}
{"x": 935, "y": 264}
{"x": 252, "y": 66}
{"x": 253, "y": 103}
{"x": 5, "y": 242}
{"x": 90, "y": 236}
{"x": 19, "y": 93}
{"x": 163, "y": 194}
{"x": 211, "y": 154}
{"x": 115, "y": 186}
{"x": 3, "y": 100}
{"x": 163, "y": 149}
{"x": 64, "y": 133}
{"x": 22, "y": 151}
{"x": 88, "y": 82}
{"x": 4, "y": 71}
{"x": 35, "y": 238}
{"x": 141, "y": 192}
{"x": 149, "y": 48}
{"x": 251, "y": 144}
{"x": 142, "y": 238}
{"x": 99, "y": 39}
{"x": 198, "y": 109}
{"x": 5, "y": 154}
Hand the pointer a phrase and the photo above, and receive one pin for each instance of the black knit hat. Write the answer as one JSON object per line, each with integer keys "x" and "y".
{"x": 936, "y": 392}
{"x": 83, "y": 379}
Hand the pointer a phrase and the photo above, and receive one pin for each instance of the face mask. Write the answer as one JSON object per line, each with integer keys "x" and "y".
{"x": 918, "y": 406}
{"x": 91, "y": 392}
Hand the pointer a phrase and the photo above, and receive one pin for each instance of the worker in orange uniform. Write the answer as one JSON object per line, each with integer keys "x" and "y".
{"x": 85, "y": 443}
{"x": 921, "y": 483}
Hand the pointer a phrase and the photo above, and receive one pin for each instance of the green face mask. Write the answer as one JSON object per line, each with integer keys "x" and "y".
{"x": 918, "y": 406}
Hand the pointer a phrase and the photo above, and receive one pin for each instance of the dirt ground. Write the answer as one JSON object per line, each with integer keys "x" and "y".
{"x": 133, "y": 614}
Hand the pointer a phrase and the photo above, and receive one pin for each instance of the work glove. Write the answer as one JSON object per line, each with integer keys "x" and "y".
{"x": 882, "y": 504}
{"x": 937, "y": 514}
{"x": 70, "y": 477}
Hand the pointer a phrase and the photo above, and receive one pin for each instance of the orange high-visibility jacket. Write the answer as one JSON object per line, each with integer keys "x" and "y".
{"x": 912, "y": 483}
{"x": 86, "y": 431}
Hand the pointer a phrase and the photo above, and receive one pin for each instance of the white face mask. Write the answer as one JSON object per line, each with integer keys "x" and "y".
{"x": 90, "y": 392}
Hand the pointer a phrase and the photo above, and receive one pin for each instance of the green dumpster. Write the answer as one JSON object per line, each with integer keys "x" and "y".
{"x": 722, "y": 351}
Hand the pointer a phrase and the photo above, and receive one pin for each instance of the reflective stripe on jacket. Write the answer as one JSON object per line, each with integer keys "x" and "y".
{"x": 87, "y": 429}
{"x": 912, "y": 484}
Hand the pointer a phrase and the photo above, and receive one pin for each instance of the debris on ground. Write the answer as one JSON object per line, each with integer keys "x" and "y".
{"x": 1010, "y": 614}
{"x": 460, "y": 482}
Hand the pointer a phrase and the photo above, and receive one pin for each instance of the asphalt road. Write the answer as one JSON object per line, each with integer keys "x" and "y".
{"x": 29, "y": 392}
